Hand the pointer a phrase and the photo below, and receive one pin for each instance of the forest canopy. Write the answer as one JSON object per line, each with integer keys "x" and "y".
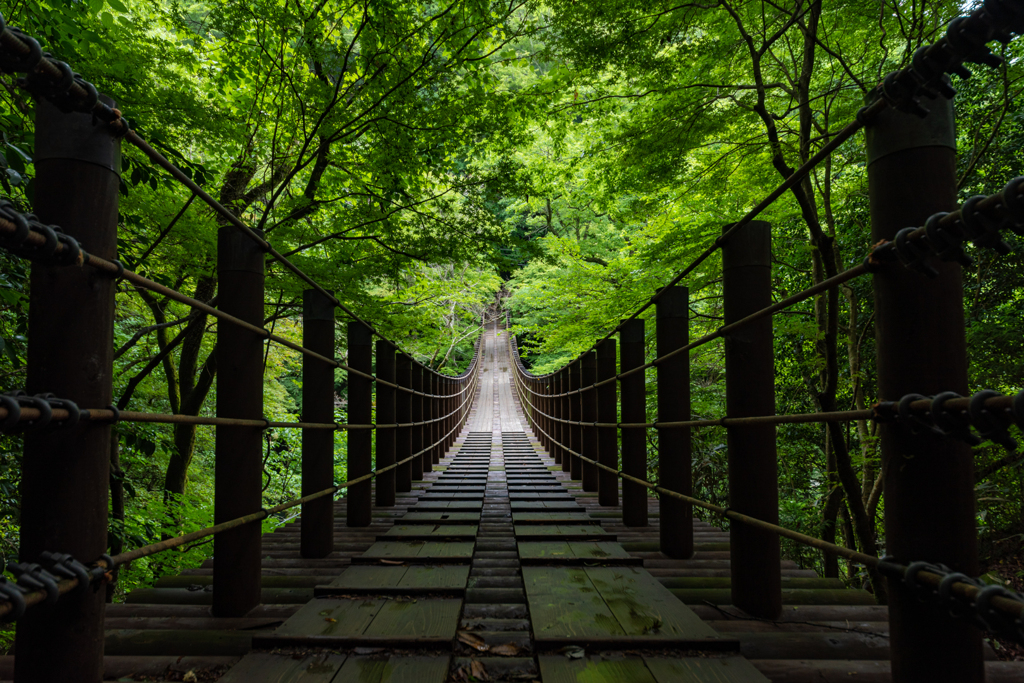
{"x": 432, "y": 163}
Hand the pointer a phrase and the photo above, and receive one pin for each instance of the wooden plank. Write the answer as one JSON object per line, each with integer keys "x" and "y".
{"x": 271, "y": 668}
{"x": 646, "y": 608}
{"x": 332, "y": 617}
{"x": 415, "y": 670}
{"x": 403, "y": 669}
{"x": 365, "y": 577}
{"x": 435, "y": 576}
{"x": 704, "y": 670}
{"x": 537, "y": 550}
{"x": 438, "y": 530}
{"x": 417, "y": 618}
{"x": 596, "y": 669}
{"x": 559, "y": 530}
{"x": 565, "y": 604}
{"x": 597, "y": 550}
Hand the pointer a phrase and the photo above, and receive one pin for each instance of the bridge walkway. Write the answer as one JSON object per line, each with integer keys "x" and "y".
{"x": 497, "y": 566}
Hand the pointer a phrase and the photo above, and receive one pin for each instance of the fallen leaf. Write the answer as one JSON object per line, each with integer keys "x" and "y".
{"x": 330, "y": 620}
{"x": 573, "y": 652}
{"x": 190, "y": 677}
{"x": 477, "y": 670}
{"x": 398, "y": 562}
{"x": 473, "y": 640}
{"x": 507, "y": 650}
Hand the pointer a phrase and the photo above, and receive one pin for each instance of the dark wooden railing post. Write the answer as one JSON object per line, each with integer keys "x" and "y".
{"x": 588, "y": 399}
{"x": 359, "y": 496}
{"x": 430, "y": 386}
{"x": 403, "y": 415}
{"x": 919, "y": 328}
{"x": 607, "y": 437}
{"x": 634, "y": 409}
{"x": 575, "y": 413}
{"x": 66, "y": 472}
{"x": 750, "y": 390}
{"x": 563, "y": 412}
{"x": 317, "y": 528}
{"x": 238, "y": 472}
{"x": 385, "y": 356}
{"x": 672, "y": 331}
{"x": 556, "y": 412}
{"x": 419, "y": 464}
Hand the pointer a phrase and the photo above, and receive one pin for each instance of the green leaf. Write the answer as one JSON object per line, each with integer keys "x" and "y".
{"x": 108, "y": 20}
{"x": 118, "y": 5}
{"x": 95, "y": 6}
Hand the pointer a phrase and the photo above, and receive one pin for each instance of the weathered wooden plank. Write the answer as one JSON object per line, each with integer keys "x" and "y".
{"x": 595, "y": 669}
{"x": 273, "y": 668}
{"x": 367, "y": 577}
{"x": 565, "y": 604}
{"x": 406, "y": 669}
{"x": 704, "y": 670}
{"x": 435, "y": 576}
{"x": 417, "y": 618}
{"x": 332, "y": 617}
{"x": 646, "y": 608}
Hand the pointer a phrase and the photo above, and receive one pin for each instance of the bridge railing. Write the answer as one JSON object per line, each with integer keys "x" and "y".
{"x": 583, "y": 411}
{"x": 68, "y": 409}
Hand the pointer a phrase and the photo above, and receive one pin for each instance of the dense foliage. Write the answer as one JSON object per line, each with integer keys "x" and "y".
{"x": 421, "y": 159}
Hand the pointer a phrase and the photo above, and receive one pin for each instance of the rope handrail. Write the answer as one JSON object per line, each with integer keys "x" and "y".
{"x": 979, "y": 219}
{"x": 110, "y": 415}
{"x": 67, "y": 585}
{"x": 1012, "y": 609}
{"x": 965, "y": 40}
{"x": 81, "y": 96}
{"x": 116, "y": 269}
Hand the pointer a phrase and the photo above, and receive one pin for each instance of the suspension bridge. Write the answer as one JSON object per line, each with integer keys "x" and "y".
{"x": 500, "y": 524}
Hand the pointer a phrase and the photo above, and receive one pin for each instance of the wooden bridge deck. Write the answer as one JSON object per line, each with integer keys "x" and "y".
{"x": 498, "y": 567}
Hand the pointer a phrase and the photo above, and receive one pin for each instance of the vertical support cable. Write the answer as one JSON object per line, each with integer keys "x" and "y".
{"x": 919, "y": 328}
{"x": 607, "y": 437}
{"x": 385, "y": 354}
{"x": 360, "y": 411}
{"x": 65, "y": 473}
{"x": 575, "y": 415}
{"x": 238, "y": 472}
{"x": 403, "y": 415}
{"x": 634, "y": 409}
{"x": 672, "y": 331}
{"x": 317, "y": 528}
{"x": 588, "y": 408}
{"x": 750, "y": 390}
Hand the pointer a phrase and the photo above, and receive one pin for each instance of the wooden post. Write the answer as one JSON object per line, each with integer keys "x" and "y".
{"x": 575, "y": 414}
{"x": 239, "y": 450}
{"x": 563, "y": 412}
{"x": 403, "y": 415}
{"x": 317, "y": 528}
{"x": 672, "y": 331}
{"x": 385, "y": 353}
{"x": 750, "y": 390}
{"x": 634, "y": 409}
{"x": 359, "y": 496}
{"x": 556, "y": 412}
{"x": 421, "y": 463}
{"x": 588, "y": 400}
{"x": 919, "y": 328}
{"x": 607, "y": 437}
{"x": 65, "y": 474}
